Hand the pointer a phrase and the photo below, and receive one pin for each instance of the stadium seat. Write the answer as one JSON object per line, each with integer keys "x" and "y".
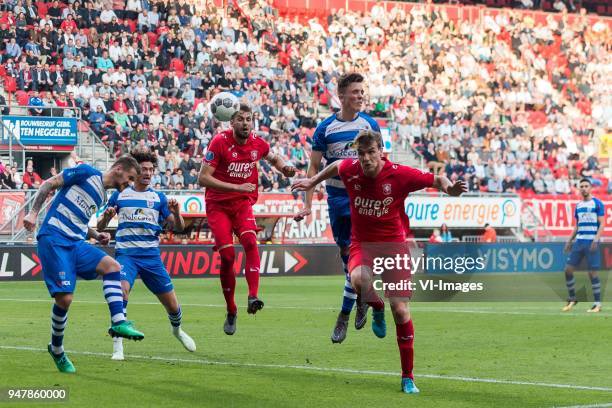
{"x": 22, "y": 98}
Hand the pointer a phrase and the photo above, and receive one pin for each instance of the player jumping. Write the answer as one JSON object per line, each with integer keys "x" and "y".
{"x": 377, "y": 190}
{"x": 141, "y": 212}
{"x": 65, "y": 254}
{"x": 333, "y": 139}
{"x": 229, "y": 173}
{"x": 589, "y": 215}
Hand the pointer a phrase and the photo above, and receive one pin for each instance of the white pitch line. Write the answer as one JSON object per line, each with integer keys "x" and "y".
{"x": 604, "y": 405}
{"x": 325, "y": 369}
{"x": 413, "y": 308}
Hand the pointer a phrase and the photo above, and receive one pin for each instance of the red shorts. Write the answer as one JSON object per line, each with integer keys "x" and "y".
{"x": 226, "y": 219}
{"x": 382, "y": 260}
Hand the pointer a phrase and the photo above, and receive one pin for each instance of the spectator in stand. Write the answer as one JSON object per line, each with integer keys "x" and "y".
{"x": 35, "y": 100}
{"x": 435, "y": 237}
{"x": 489, "y": 235}
{"x": 445, "y": 234}
{"x": 30, "y": 177}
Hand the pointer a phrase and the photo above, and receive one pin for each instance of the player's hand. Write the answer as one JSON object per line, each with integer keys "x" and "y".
{"x": 594, "y": 245}
{"x": 29, "y": 221}
{"x": 457, "y": 188}
{"x": 110, "y": 212}
{"x": 305, "y": 212}
{"x": 103, "y": 238}
{"x": 568, "y": 247}
{"x": 246, "y": 188}
{"x": 173, "y": 205}
{"x": 302, "y": 185}
{"x": 289, "y": 171}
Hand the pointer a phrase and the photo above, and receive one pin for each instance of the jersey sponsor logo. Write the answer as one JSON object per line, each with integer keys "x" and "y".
{"x": 139, "y": 215}
{"x": 210, "y": 156}
{"x": 386, "y": 188}
{"x": 241, "y": 170}
{"x": 84, "y": 205}
{"x": 371, "y": 207}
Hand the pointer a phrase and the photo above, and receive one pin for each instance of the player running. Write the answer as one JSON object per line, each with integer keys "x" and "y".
{"x": 589, "y": 216}
{"x": 377, "y": 190}
{"x": 229, "y": 173}
{"x": 65, "y": 254}
{"x": 333, "y": 139}
{"x": 142, "y": 211}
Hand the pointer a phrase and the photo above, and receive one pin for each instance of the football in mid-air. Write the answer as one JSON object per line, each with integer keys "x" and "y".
{"x": 224, "y": 105}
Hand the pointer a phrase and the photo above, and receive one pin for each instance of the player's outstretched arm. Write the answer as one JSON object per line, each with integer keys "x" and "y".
{"x": 105, "y": 218}
{"x": 310, "y": 183}
{"x": 280, "y": 165}
{"x": 175, "y": 221}
{"x": 48, "y": 187}
{"x": 206, "y": 179}
{"x": 313, "y": 168}
{"x": 442, "y": 183}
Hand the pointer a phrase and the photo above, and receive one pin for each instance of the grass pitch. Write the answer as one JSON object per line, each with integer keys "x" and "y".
{"x": 467, "y": 354}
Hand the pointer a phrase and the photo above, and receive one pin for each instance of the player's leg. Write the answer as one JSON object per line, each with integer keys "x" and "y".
{"x": 128, "y": 274}
{"x": 244, "y": 226}
{"x": 60, "y": 278}
{"x": 573, "y": 261}
{"x": 594, "y": 263}
{"x": 109, "y": 269}
{"x": 221, "y": 227}
{"x": 405, "y": 342}
{"x": 361, "y": 279}
{"x": 155, "y": 277}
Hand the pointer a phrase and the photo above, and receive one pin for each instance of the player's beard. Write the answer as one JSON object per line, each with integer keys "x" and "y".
{"x": 242, "y": 134}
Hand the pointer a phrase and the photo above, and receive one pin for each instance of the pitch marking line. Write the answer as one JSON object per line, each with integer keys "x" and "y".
{"x": 415, "y": 309}
{"x": 324, "y": 369}
{"x": 604, "y": 405}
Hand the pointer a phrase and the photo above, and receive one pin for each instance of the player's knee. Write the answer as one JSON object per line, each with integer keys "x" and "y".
{"x": 227, "y": 255}
{"x": 248, "y": 240}
{"x": 63, "y": 300}
{"x": 108, "y": 265}
{"x": 401, "y": 312}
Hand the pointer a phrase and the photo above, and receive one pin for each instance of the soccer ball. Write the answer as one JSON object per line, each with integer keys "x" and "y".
{"x": 224, "y": 105}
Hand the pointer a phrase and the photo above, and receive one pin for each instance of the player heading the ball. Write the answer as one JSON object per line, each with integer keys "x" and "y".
{"x": 229, "y": 173}
{"x": 374, "y": 183}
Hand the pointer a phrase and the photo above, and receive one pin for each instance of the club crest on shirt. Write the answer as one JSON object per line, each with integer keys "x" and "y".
{"x": 386, "y": 188}
{"x": 357, "y": 187}
{"x": 150, "y": 204}
{"x": 253, "y": 155}
{"x": 234, "y": 155}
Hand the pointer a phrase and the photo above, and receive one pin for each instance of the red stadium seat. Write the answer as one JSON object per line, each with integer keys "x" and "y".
{"x": 22, "y": 98}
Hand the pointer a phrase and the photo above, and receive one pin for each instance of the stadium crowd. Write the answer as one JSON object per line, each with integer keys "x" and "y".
{"x": 505, "y": 103}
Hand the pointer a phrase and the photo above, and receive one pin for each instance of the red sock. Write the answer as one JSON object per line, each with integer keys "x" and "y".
{"x": 252, "y": 264}
{"x": 405, "y": 342}
{"x": 372, "y": 299}
{"x": 228, "y": 279}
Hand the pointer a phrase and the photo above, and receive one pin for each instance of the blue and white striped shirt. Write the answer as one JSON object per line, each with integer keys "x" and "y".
{"x": 586, "y": 214}
{"x": 80, "y": 197}
{"x": 140, "y": 215}
{"x": 334, "y": 138}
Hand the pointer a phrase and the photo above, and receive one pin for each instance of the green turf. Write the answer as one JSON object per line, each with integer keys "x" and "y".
{"x": 530, "y": 342}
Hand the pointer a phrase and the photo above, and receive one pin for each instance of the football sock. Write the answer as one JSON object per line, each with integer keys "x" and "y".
{"x": 111, "y": 283}
{"x": 252, "y": 264}
{"x": 570, "y": 282}
{"x": 175, "y": 318}
{"x": 405, "y": 342}
{"x": 348, "y": 300}
{"x": 125, "y": 302}
{"x": 596, "y": 285}
{"x": 59, "y": 318}
{"x": 228, "y": 279}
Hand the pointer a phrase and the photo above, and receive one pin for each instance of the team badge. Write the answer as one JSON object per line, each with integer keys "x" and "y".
{"x": 150, "y": 204}
{"x": 234, "y": 155}
{"x": 357, "y": 187}
{"x": 386, "y": 188}
{"x": 253, "y": 155}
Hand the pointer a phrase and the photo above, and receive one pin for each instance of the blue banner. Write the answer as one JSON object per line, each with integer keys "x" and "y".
{"x": 32, "y": 130}
{"x": 459, "y": 258}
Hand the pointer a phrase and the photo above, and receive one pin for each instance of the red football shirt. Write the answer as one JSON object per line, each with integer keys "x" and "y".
{"x": 235, "y": 164}
{"x": 377, "y": 204}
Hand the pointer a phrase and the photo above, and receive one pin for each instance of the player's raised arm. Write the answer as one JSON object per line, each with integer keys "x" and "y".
{"x": 48, "y": 187}
{"x": 310, "y": 183}
{"x": 206, "y": 179}
{"x": 442, "y": 183}
{"x": 280, "y": 165}
{"x": 175, "y": 220}
{"x": 313, "y": 168}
